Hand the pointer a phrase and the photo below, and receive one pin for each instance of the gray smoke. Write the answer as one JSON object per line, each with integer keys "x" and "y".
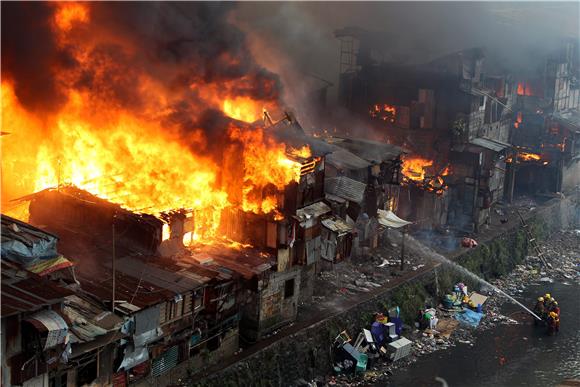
{"x": 515, "y": 34}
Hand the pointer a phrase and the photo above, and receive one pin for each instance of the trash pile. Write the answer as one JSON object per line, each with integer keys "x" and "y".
{"x": 381, "y": 343}
{"x": 378, "y": 351}
{"x": 461, "y": 312}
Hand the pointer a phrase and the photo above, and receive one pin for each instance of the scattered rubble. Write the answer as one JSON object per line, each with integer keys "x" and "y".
{"x": 563, "y": 250}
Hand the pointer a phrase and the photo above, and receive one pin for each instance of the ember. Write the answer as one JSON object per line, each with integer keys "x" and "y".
{"x": 384, "y": 112}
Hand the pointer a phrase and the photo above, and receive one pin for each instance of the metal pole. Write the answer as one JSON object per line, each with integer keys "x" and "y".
{"x": 113, "y": 269}
{"x": 403, "y": 248}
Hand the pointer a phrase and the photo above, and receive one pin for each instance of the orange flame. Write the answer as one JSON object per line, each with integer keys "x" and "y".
{"x": 518, "y": 120}
{"x": 136, "y": 157}
{"x": 414, "y": 168}
{"x": 69, "y": 13}
{"x": 525, "y": 156}
{"x": 524, "y": 89}
{"x": 242, "y": 109}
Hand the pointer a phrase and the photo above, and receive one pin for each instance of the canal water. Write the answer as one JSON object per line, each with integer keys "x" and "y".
{"x": 508, "y": 355}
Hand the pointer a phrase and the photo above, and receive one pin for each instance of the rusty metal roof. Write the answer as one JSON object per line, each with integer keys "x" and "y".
{"x": 345, "y": 188}
{"x": 246, "y": 262}
{"x": 23, "y": 291}
{"x": 175, "y": 280}
{"x": 88, "y": 320}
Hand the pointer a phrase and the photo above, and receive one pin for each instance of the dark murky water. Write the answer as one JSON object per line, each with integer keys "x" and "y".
{"x": 516, "y": 355}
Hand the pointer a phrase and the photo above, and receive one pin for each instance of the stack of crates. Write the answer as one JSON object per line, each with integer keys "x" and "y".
{"x": 400, "y": 348}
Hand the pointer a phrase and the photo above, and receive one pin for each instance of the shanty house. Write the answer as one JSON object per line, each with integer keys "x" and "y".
{"x": 336, "y": 239}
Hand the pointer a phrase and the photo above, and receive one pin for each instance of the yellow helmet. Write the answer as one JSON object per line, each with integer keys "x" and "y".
{"x": 555, "y": 302}
{"x": 540, "y": 298}
{"x": 547, "y": 296}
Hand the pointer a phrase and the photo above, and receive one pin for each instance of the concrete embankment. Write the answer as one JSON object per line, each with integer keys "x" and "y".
{"x": 303, "y": 350}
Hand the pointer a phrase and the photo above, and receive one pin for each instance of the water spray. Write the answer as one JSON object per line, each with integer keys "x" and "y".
{"x": 438, "y": 257}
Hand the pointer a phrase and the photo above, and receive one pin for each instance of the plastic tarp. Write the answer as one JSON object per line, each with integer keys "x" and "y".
{"x": 25, "y": 244}
{"x": 134, "y": 357}
{"x": 389, "y": 219}
{"x": 47, "y": 266}
{"x": 469, "y": 317}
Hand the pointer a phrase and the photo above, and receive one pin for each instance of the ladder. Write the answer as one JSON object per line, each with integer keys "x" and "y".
{"x": 532, "y": 241}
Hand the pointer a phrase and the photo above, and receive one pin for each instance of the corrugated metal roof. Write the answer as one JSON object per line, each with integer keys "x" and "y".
{"x": 137, "y": 293}
{"x": 171, "y": 280}
{"x": 88, "y": 320}
{"x": 337, "y": 225}
{"x": 372, "y": 151}
{"x": 345, "y": 188}
{"x": 313, "y": 210}
{"x": 247, "y": 262}
{"x": 343, "y": 159}
{"x": 23, "y": 291}
{"x": 494, "y": 145}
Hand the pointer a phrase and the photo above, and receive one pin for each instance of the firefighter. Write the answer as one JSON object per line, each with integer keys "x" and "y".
{"x": 547, "y": 301}
{"x": 540, "y": 309}
{"x": 556, "y": 308}
{"x": 553, "y": 323}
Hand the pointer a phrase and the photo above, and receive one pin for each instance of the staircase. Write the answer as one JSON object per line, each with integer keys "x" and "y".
{"x": 532, "y": 240}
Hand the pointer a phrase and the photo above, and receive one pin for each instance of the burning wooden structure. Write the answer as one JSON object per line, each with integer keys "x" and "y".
{"x": 546, "y": 127}
{"x": 452, "y": 119}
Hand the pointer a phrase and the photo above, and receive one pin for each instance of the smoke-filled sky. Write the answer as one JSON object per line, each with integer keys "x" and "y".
{"x": 514, "y": 33}
{"x": 181, "y": 43}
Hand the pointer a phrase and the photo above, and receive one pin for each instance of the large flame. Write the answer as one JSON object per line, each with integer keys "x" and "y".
{"x": 420, "y": 172}
{"x": 139, "y": 157}
{"x": 414, "y": 167}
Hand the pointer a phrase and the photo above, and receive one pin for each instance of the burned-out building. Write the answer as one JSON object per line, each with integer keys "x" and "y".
{"x": 546, "y": 125}
{"x": 451, "y": 118}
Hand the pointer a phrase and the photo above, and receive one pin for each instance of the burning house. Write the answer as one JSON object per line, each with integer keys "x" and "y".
{"x": 166, "y": 312}
{"x": 158, "y": 158}
{"x": 546, "y": 126}
{"x": 452, "y": 120}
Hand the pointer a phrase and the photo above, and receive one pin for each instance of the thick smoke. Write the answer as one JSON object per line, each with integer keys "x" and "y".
{"x": 176, "y": 44}
{"x": 30, "y": 53}
{"x": 135, "y": 52}
{"x": 299, "y": 37}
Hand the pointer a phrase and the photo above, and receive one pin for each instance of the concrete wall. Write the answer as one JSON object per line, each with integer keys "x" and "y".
{"x": 571, "y": 175}
{"x": 276, "y": 306}
{"x": 307, "y": 353}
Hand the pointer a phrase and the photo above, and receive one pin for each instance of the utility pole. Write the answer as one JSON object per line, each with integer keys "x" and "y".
{"x": 403, "y": 248}
{"x": 113, "y": 267}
